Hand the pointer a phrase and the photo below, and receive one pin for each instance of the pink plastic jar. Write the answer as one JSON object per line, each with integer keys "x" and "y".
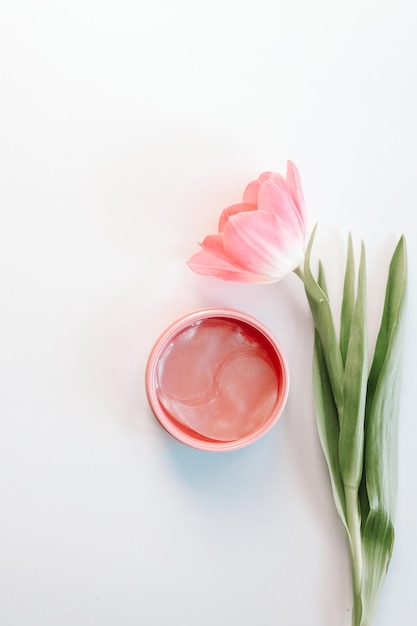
{"x": 217, "y": 379}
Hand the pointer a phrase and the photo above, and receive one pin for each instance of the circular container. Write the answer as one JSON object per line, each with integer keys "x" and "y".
{"x": 217, "y": 379}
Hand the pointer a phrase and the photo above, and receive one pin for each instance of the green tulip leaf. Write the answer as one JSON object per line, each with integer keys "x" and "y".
{"x": 351, "y": 442}
{"x": 378, "y": 544}
{"x": 348, "y": 301}
{"x": 381, "y": 428}
{"x": 324, "y": 325}
{"x": 384, "y": 390}
{"x": 328, "y": 425}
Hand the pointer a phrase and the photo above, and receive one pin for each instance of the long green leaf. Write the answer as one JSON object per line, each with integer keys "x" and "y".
{"x": 351, "y": 443}
{"x": 327, "y": 417}
{"x": 381, "y": 428}
{"x": 321, "y": 280}
{"x": 378, "y": 544}
{"x": 384, "y": 390}
{"x": 328, "y": 425}
{"x": 324, "y": 325}
{"x": 348, "y": 301}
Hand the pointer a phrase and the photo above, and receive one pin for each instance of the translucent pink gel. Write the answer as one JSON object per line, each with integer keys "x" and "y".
{"x": 217, "y": 380}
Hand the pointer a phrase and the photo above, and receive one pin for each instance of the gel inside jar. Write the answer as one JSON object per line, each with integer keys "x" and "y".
{"x": 217, "y": 379}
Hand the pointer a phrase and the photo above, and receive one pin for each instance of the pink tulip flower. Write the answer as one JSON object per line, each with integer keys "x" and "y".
{"x": 262, "y": 238}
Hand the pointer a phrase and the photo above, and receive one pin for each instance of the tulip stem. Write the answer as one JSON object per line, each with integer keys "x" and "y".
{"x": 299, "y": 272}
{"x": 353, "y": 522}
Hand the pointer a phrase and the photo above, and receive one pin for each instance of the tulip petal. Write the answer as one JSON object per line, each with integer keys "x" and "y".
{"x": 275, "y": 197}
{"x": 294, "y": 183}
{"x": 262, "y": 243}
{"x": 232, "y": 210}
{"x": 212, "y": 260}
{"x": 252, "y": 189}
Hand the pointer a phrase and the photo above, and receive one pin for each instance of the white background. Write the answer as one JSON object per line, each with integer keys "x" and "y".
{"x": 125, "y": 128}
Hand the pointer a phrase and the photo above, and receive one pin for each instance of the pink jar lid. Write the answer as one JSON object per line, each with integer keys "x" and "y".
{"x": 217, "y": 379}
